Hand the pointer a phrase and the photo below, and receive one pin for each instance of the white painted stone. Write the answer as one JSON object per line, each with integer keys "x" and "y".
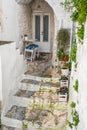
{"x": 0, "y": 81}
{"x": 8, "y": 21}
{"x": 12, "y": 67}
{"x": 81, "y": 75}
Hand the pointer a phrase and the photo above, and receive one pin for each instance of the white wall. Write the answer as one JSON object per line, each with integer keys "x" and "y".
{"x": 9, "y": 20}
{"x": 12, "y": 67}
{"x": 0, "y": 81}
{"x": 81, "y": 75}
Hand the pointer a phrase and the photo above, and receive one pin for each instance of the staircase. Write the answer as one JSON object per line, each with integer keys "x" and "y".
{"x": 34, "y": 105}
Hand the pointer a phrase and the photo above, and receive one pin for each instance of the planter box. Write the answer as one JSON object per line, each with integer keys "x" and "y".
{"x": 62, "y": 97}
{"x": 65, "y": 72}
{"x": 64, "y": 83}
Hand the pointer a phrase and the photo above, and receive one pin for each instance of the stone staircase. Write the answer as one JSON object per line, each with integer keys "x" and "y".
{"x": 34, "y": 105}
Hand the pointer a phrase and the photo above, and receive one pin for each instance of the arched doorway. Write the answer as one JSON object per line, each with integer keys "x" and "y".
{"x": 42, "y": 25}
{"x": 36, "y": 19}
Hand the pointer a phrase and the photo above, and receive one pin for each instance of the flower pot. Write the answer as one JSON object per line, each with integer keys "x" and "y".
{"x": 66, "y": 58}
{"x": 25, "y": 37}
{"x": 64, "y": 83}
{"x": 65, "y": 71}
{"x": 62, "y": 97}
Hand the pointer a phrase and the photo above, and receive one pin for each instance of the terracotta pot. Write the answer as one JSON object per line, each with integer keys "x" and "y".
{"x": 66, "y": 58}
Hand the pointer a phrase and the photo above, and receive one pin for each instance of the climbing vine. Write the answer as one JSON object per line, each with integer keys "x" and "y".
{"x": 78, "y": 10}
{"x": 73, "y": 51}
{"x": 75, "y": 116}
{"x": 76, "y": 86}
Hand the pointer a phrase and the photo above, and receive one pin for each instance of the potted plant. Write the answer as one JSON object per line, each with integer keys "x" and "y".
{"x": 63, "y": 93}
{"x": 66, "y": 57}
{"x": 60, "y": 54}
{"x": 65, "y": 70}
{"x": 64, "y": 81}
{"x": 64, "y": 78}
{"x": 63, "y": 40}
{"x": 63, "y": 90}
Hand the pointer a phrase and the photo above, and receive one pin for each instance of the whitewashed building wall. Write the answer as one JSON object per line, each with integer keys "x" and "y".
{"x": 8, "y": 32}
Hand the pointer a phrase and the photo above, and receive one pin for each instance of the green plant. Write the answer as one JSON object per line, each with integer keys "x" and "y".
{"x": 76, "y": 86}
{"x": 63, "y": 90}
{"x": 64, "y": 78}
{"x": 63, "y": 38}
{"x": 73, "y": 52}
{"x": 73, "y": 105}
{"x": 75, "y": 116}
{"x": 24, "y": 125}
{"x": 67, "y": 65}
{"x": 60, "y": 54}
{"x": 78, "y": 14}
{"x": 75, "y": 119}
{"x": 0, "y": 123}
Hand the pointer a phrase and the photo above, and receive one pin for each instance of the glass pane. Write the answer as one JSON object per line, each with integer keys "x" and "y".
{"x": 37, "y": 27}
{"x": 45, "y": 27}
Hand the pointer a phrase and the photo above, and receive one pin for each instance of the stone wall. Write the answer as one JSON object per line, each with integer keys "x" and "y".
{"x": 24, "y": 20}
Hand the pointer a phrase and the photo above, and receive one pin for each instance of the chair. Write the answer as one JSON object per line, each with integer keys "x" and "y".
{"x": 31, "y": 51}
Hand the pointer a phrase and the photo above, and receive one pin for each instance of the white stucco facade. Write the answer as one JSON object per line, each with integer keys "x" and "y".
{"x": 9, "y": 25}
{"x": 1, "y": 22}
{"x": 12, "y": 66}
{"x": 80, "y": 73}
{"x": 0, "y": 80}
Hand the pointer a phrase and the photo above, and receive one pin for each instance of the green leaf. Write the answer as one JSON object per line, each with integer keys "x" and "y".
{"x": 70, "y": 124}
{"x": 76, "y": 86}
{"x": 73, "y": 52}
{"x": 73, "y": 104}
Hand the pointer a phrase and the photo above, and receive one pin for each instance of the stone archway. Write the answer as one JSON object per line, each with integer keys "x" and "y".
{"x": 25, "y": 19}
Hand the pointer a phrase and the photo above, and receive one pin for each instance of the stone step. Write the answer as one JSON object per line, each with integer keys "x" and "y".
{"x": 43, "y": 95}
{"x": 10, "y": 128}
{"x": 34, "y": 85}
{"x": 20, "y": 117}
{"x": 37, "y": 78}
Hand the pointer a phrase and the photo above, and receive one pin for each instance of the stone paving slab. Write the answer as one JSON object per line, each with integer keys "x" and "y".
{"x": 24, "y": 93}
{"x": 35, "y": 82}
{"x": 16, "y": 112}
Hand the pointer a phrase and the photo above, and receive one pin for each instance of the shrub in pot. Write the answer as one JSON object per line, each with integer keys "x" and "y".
{"x": 63, "y": 41}
{"x": 60, "y": 54}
